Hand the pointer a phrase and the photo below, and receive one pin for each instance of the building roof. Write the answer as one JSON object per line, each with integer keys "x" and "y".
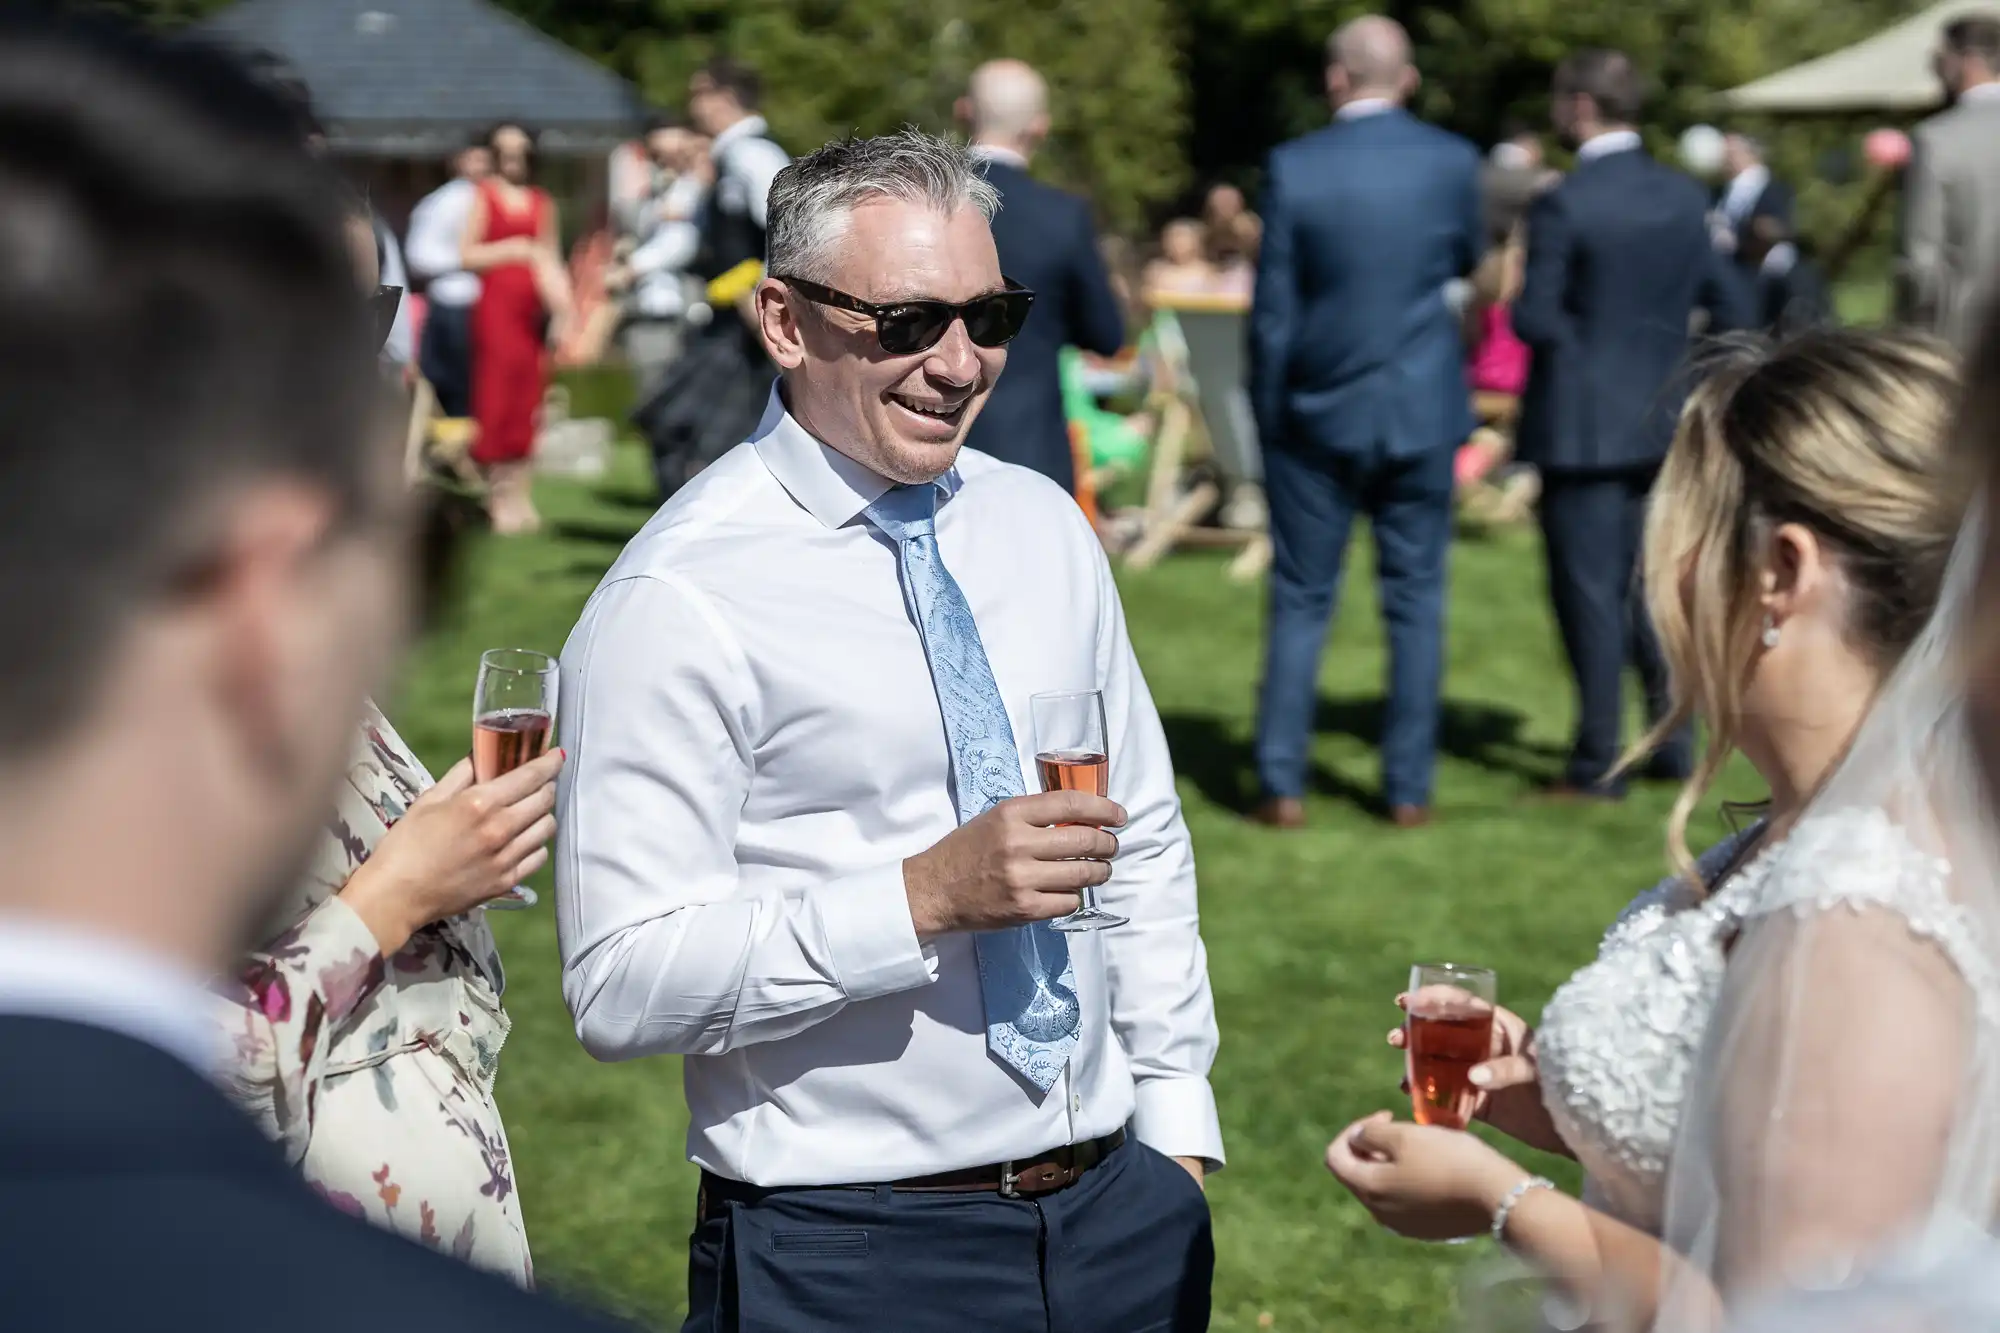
{"x": 1890, "y": 71}
{"x": 414, "y": 77}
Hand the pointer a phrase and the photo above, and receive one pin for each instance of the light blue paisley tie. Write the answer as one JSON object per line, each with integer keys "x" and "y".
{"x": 1025, "y": 974}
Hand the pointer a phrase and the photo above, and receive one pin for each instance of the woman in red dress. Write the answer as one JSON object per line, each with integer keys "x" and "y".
{"x": 510, "y": 241}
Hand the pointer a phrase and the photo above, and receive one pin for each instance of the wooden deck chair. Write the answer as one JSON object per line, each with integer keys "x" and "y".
{"x": 1213, "y": 396}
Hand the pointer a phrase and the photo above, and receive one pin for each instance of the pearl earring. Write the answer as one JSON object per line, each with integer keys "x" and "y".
{"x": 1770, "y": 635}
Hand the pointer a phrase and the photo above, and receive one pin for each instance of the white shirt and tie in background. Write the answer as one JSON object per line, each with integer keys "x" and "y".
{"x": 436, "y": 234}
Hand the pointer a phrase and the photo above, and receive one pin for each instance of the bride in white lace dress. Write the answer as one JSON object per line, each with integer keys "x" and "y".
{"x": 1785, "y": 1057}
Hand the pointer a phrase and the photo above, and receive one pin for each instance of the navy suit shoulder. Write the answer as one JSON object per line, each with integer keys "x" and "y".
{"x": 132, "y": 1195}
{"x": 1048, "y": 243}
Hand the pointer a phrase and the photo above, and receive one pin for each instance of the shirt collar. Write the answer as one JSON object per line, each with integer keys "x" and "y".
{"x": 826, "y": 483}
{"x": 1981, "y": 92}
{"x": 1362, "y": 107}
{"x": 1607, "y": 143}
{"x": 1751, "y": 180}
{"x": 50, "y": 970}
{"x": 750, "y": 127}
{"x": 989, "y": 153}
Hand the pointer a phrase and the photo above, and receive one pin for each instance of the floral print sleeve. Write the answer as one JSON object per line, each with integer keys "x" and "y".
{"x": 377, "y": 1077}
{"x": 282, "y": 1010}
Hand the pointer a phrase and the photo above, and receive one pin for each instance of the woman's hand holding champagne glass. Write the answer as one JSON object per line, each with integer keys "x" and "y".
{"x": 461, "y": 845}
{"x": 1509, "y": 1087}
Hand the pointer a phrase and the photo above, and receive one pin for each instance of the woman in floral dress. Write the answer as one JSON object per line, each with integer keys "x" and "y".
{"x": 366, "y": 1033}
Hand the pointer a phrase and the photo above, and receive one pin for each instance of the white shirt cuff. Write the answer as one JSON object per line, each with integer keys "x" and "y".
{"x": 870, "y": 938}
{"x": 1176, "y": 1116}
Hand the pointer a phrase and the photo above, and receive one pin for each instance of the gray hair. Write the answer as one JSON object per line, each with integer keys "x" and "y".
{"x": 811, "y": 199}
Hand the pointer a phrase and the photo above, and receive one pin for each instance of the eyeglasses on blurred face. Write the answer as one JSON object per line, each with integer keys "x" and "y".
{"x": 907, "y": 327}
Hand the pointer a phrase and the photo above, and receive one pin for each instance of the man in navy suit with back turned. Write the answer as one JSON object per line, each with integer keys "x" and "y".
{"x": 1049, "y": 244}
{"x": 1619, "y": 260}
{"x": 1358, "y": 383}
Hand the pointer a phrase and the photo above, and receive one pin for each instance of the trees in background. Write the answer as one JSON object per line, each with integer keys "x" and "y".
{"x": 1153, "y": 99}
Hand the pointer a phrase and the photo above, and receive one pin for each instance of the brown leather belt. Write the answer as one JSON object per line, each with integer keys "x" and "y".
{"x": 1028, "y": 1178}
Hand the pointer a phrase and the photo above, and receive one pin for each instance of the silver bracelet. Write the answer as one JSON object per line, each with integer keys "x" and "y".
{"x": 1514, "y": 1196}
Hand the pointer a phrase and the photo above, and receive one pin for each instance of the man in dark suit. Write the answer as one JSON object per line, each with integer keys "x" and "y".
{"x": 1047, "y": 243}
{"x": 203, "y": 586}
{"x": 1619, "y": 261}
{"x": 1754, "y": 211}
{"x": 1358, "y": 383}
{"x": 1754, "y": 221}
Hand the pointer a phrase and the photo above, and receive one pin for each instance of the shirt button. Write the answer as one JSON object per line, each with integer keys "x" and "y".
{"x": 1075, "y": 1102}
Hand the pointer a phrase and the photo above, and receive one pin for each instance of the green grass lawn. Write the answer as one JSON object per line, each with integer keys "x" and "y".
{"x": 1309, "y": 934}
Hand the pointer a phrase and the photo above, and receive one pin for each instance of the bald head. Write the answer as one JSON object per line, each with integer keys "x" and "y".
{"x": 1370, "y": 57}
{"x": 1007, "y": 105}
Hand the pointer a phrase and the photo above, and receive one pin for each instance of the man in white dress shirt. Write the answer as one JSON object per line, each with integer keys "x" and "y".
{"x": 434, "y": 252}
{"x": 793, "y": 858}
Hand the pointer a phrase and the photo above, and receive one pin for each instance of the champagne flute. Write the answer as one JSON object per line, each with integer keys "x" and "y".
{"x": 1073, "y": 754}
{"x": 513, "y": 720}
{"x": 1447, "y": 1031}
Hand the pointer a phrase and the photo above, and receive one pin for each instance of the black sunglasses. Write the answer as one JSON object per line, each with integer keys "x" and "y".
{"x": 903, "y": 327}
{"x": 382, "y": 307}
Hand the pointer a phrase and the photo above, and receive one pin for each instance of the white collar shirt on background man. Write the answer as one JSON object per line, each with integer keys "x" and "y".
{"x": 987, "y": 152}
{"x": 1363, "y": 107}
{"x": 756, "y": 746}
{"x": 1607, "y": 143}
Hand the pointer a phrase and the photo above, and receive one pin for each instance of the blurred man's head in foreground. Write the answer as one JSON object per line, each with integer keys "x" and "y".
{"x": 1368, "y": 59}
{"x": 195, "y": 585}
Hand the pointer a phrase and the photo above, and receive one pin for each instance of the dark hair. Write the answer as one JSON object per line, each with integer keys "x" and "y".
{"x": 534, "y": 139}
{"x": 285, "y": 83}
{"x": 663, "y": 120}
{"x": 1607, "y": 78}
{"x": 179, "y": 313}
{"x": 1975, "y": 35}
{"x": 1517, "y": 127}
{"x": 738, "y": 80}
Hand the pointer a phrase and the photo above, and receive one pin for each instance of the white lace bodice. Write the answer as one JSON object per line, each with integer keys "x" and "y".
{"x": 1618, "y": 1040}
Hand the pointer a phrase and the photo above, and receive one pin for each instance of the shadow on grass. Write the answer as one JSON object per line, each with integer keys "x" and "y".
{"x": 1478, "y": 733}
{"x": 1208, "y": 749}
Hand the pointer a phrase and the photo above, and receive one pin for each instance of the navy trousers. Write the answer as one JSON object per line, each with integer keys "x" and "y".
{"x": 1126, "y": 1249}
{"x": 1592, "y": 525}
{"x": 446, "y": 357}
{"x": 1313, "y": 501}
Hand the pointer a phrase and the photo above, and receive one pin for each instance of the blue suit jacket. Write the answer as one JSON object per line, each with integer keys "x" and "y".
{"x": 1619, "y": 259}
{"x": 1047, "y": 242}
{"x": 1352, "y": 346}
